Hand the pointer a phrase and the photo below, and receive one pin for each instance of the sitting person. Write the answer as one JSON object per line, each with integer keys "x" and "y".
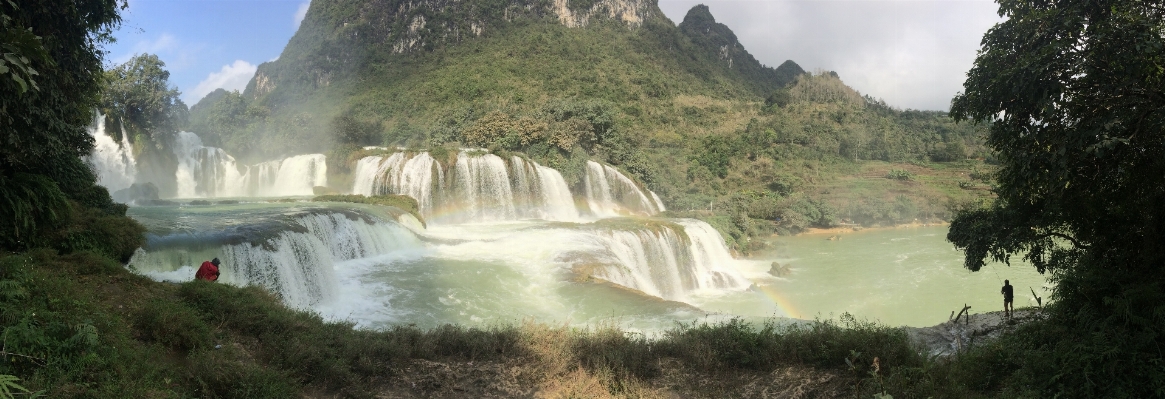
{"x": 208, "y": 271}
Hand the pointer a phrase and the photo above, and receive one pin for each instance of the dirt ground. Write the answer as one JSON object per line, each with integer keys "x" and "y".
{"x": 455, "y": 379}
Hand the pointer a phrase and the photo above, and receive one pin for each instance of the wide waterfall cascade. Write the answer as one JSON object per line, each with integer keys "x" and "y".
{"x": 211, "y": 172}
{"x": 112, "y": 162}
{"x": 476, "y": 187}
{"x": 400, "y": 173}
{"x": 484, "y": 187}
{"x": 544, "y": 189}
{"x": 296, "y": 260}
{"x": 669, "y": 262}
{"x": 610, "y": 193}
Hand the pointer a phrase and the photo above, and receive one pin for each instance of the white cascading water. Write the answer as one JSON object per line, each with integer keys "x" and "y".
{"x": 610, "y": 193}
{"x": 295, "y": 175}
{"x": 414, "y": 176}
{"x": 297, "y": 263}
{"x": 478, "y": 187}
{"x": 661, "y": 262}
{"x": 211, "y": 172}
{"x": 112, "y": 162}
{"x": 483, "y": 187}
{"x": 544, "y": 189}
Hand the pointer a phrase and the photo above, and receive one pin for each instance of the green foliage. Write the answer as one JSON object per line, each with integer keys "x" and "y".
{"x": 42, "y": 126}
{"x": 824, "y": 343}
{"x": 900, "y": 174}
{"x": 950, "y": 152}
{"x": 21, "y": 49}
{"x": 219, "y": 375}
{"x": 712, "y": 153}
{"x": 138, "y": 96}
{"x": 347, "y": 129}
{"x": 9, "y": 388}
{"x": 1079, "y": 187}
{"x": 31, "y": 203}
{"x": 173, "y": 325}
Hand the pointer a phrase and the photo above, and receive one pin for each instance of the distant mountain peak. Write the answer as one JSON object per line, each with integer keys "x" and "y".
{"x": 721, "y": 44}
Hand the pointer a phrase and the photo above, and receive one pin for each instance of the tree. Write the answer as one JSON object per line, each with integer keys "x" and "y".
{"x": 51, "y": 80}
{"x": 1076, "y": 93}
{"x": 138, "y": 94}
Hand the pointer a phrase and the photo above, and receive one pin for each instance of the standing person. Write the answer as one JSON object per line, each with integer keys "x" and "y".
{"x": 1008, "y": 297}
{"x": 208, "y": 271}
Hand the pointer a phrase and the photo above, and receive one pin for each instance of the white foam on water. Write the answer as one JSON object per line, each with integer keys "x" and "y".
{"x": 297, "y": 264}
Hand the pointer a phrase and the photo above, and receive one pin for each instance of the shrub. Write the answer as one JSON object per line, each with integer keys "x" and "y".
{"x": 900, "y": 174}
{"x": 173, "y": 324}
{"x": 217, "y": 375}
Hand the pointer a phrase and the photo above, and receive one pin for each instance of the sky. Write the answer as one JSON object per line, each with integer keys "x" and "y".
{"x": 911, "y": 53}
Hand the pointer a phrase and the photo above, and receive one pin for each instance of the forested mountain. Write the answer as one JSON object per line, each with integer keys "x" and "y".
{"x": 684, "y": 108}
{"x": 407, "y": 66}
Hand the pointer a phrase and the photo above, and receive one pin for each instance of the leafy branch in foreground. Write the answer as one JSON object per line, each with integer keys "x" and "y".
{"x": 1077, "y": 121}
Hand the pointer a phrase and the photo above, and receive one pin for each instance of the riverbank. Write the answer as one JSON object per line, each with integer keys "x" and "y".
{"x": 111, "y": 333}
{"x": 850, "y": 229}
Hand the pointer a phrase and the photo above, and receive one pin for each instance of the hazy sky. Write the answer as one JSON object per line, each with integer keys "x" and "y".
{"x": 913, "y": 54}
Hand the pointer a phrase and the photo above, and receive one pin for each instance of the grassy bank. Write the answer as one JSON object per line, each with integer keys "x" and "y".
{"x": 80, "y": 325}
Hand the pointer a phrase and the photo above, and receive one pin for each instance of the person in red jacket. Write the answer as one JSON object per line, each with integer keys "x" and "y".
{"x": 208, "y": 271}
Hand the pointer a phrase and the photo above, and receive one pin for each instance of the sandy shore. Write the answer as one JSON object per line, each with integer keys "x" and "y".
{"x": 857, "y": 229}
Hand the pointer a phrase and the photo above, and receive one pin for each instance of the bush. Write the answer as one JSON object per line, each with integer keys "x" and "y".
{"x": 899, "y": 174}
{"x": 216, "y": 374}
{"x": 174, "y": 325}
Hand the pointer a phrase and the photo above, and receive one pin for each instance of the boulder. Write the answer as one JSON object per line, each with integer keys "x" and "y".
{"x": 138, "y": 194}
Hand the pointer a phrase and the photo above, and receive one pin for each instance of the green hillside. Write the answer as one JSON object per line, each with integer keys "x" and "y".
{"x": 607, "y": 80}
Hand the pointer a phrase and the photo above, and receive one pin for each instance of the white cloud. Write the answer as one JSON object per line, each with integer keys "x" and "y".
{"x": 232, "y": 77}
{"x": 299, "y": 14}
{"x": 166, "y": 42}
{"x": 913, "y": 54}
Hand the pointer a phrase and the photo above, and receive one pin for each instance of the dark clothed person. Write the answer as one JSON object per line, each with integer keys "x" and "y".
{"x": 1008, "y": 292}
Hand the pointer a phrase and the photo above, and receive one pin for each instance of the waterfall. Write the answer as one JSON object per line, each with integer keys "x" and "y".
{"x": 400, "y": 174}
{"x": 482, "y": 185}
{"x": 543, "y": 190}
{"x": 610, "y": 193}
{"x": 668, "y": 261}
{"x": 477, "y": 187}
{"x": 295, "y": 175}
{"x": 112, "y": 162}
{"x": 211, "y": 172}
{"x": 294, "y": 260}
{"x": 485, "y": 187}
